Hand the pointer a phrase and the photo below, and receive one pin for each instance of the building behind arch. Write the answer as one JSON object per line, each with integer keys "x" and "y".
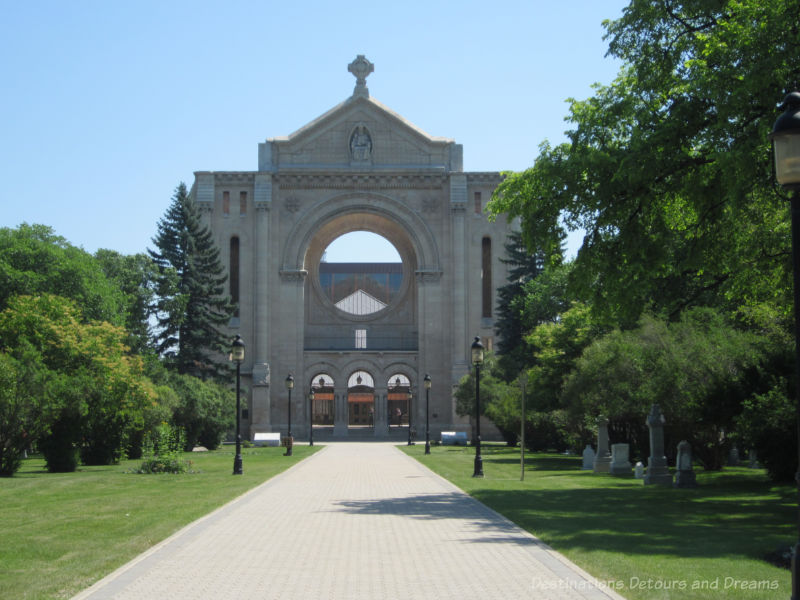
{"x": 358, "y": 167}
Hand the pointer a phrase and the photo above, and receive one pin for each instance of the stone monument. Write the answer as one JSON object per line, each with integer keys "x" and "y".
{"x": 620, "y": 465}
{"x": 602, "y": 461}
{"x": 685, "y": 477}
{"x": 657, "y": 470}
{"x": 638, "y": 470}
{"x": 588, "y": 458}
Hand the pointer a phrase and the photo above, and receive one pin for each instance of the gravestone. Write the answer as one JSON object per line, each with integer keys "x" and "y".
{"x": 733, "y": 457}
{"x": 620, "y": 465}
{"x": 602, "y": 461}
{"x": 685, "y": 477}
{"x": 657, "y": 469}
{"x": 638, "y": 471}
{"x": 753, "y": 460}
{"x": 588, "y": 458}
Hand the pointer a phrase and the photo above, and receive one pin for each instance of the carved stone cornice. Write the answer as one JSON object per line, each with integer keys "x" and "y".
{"x": 360, "y": 181}
{"x": 262, "y": 206}
{"x": 458, "y": 209}
{"x": 428, "y": 275}
{"x": 205, "y": 207}
{"x": 293, "y": 275}
{"x": 234, "y": 177}
{"x": 487, "y": 178}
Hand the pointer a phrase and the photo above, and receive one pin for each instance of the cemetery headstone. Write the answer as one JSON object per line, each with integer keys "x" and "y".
{"x": 657, "y": 469}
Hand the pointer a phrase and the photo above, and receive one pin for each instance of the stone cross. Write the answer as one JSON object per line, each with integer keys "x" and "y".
{"x": 657, "y": 470}
{"x": 602, "y": 462}
{"x": 361, "y": 68}
{"x": 685, "y": 477}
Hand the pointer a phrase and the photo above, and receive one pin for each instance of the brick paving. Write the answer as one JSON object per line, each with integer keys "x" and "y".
{"x": 358, "y": 521}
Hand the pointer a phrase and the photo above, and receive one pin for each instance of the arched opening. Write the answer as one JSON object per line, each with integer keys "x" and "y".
{"x": 398, "y": 400}
{"x": 361, "y": 273}
{"x": 361, "y": 400}
{"x": 323, "y": 405}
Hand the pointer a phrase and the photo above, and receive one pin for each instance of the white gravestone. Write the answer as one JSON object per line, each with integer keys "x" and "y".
{"x": 588, "y": 458}
{"x": 620, "y": 465}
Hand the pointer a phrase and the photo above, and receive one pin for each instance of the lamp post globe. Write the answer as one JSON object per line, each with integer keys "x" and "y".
{"x": 477, "y": 360}
{"x": 237, "y": 356}
{"x": 427, "y": 383}
{"x": 785, "y": 138}
{"x": 289, "y": 388}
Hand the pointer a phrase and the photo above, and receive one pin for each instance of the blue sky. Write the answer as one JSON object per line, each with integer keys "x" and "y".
{"x": 108, "y": 105}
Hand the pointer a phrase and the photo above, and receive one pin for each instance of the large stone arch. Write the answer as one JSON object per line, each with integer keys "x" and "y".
{"x": 325, "y": 221}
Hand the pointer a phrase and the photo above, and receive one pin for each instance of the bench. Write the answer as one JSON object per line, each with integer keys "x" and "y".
{"x": 454, "y": 438}
{"x": 267, "y": 439}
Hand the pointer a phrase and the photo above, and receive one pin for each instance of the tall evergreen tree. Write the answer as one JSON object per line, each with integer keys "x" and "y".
{"x": 523, "y": 267}
{"x": 190, "y": 306}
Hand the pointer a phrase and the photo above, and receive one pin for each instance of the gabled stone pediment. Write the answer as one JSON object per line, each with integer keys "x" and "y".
{"x": 360, "y": 134}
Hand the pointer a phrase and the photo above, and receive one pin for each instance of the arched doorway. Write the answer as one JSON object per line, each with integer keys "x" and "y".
{"x": 398, "y": 400}
{"x": 361, "y": 400}
{"x": 323, "y": 407}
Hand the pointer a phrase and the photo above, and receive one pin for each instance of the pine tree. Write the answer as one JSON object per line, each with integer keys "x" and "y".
{"x": 190, "y": 305}
{"x": 523, "y": 266}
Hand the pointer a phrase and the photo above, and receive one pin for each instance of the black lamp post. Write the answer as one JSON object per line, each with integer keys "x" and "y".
{"x": 409, "y": 414}
{"x": 427, "y": 381}
{"x": 311, "y": 415}
{"x": 237, "y": 356}
{"x": 786, "y": 143}
{"x": 289, "y": 386}
{"x": 477, "y": 360}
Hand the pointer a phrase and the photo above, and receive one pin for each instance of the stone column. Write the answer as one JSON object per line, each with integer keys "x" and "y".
{"x": 381, "y": 426}
{"x": 460, "y": 290}
{"x": 657, "y": 470}
{"x": 602, "y": 461}
{"x": 261, "y": 410}
{"x": 341, "y": 414}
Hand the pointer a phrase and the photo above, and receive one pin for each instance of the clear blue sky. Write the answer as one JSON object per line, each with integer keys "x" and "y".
{"x": 108, "y": 105}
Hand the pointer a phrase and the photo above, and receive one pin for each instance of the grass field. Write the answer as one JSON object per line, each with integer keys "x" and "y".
{"x": 62, "y": 532}
{"x": 646, "y": 542}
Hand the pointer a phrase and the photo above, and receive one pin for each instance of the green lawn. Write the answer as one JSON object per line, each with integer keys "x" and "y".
{"x": 639, "y": 538}
{"x": 62, "y": 532}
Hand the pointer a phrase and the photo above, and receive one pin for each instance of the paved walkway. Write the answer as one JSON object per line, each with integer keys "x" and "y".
{"x": 354, "y": 521}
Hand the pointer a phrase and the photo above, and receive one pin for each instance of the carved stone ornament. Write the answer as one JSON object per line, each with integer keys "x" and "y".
{"x": 292, "y": 205}
{"x": 360, "y": 144}
{"x": 361, "y": 68}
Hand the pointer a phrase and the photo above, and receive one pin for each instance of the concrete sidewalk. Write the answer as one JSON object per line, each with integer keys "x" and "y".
{"x": 354, "y": 521}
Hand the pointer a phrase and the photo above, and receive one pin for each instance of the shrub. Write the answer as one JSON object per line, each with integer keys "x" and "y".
{"x": 768, "y": 425}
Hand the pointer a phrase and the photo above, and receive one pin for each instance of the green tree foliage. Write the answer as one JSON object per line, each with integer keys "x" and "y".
{"x": 700, "y": 370}
{"x": 205, "y": 410}
{"x": 33, "y": 260}
{"x": 190, "y": 304}
{"x": 556, "y": 346}
{"x": 93, "y": 390}
{"x": 21, "y": 410}
{"x": 667, "y": 169}
{"x": 523, "y": 266}
{"x": 134, "y": 276}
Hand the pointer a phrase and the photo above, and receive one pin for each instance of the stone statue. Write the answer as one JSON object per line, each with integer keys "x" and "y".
{"x": 360, "y": 144}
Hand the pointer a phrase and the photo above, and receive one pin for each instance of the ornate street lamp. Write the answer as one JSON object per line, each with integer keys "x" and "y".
{"x": 427, "y": 382}
{"x": 289, "y": 386}
{"x": 477, "y": 360}
{"x": 237, "y": 356}
{"x": 311, "y": 415}
{"x": 785, "y": 138}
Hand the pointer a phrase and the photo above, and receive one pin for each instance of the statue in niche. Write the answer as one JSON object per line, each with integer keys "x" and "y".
{"x": 360, "y": 144}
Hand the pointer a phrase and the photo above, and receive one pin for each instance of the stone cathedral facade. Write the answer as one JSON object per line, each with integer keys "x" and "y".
{"x": 363, "y": 335}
